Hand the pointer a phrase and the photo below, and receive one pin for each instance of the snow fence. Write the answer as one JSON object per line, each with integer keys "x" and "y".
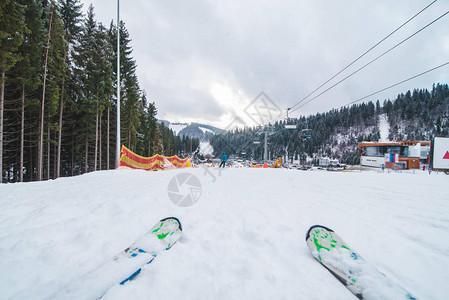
{"x": 129, "y": 159}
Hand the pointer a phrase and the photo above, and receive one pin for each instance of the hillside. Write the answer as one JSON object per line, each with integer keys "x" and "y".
{"x": 200, "y": 131}
{"x": 193, "y": 130}
{"x": 245, "y": 243}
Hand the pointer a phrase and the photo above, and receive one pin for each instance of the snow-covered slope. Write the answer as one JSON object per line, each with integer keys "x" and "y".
{"x": 206, "y": 130}
{"x": 177, "y": 127}
{"x": 244, "y": 239}
{"x": 384, "y": 128}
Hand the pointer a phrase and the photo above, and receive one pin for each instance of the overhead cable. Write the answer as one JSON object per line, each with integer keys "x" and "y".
{"x": 358, "y": 58}
{"x": 366, "y": 52}
{"x": 364, "y": 66}
{"x": 401, "y": 82}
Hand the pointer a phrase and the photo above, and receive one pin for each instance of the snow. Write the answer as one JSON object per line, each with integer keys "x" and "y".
{"x": 206, "y": 148}
{"x": 243, "y": 239}
{"x": 177, "y": 127}
{"x": 206, "y": 130}
{"x": 384, "y": 128}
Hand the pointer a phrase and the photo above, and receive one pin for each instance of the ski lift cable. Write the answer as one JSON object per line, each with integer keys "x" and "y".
{"x": 358, "y": 58}
{"x": 396, "y": 84}
{"x": 378, "y": 57}
{"x": 366, "y": 52}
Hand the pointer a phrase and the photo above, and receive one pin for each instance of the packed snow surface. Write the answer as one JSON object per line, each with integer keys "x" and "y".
{"x": 243, "y": 239}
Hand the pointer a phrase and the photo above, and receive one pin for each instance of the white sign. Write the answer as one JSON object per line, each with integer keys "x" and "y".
{"x": 440, "y": 150}
{"x": 371, "y": 161}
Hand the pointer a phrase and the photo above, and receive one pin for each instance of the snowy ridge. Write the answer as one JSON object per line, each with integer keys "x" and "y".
{"x": 54, "y": 232}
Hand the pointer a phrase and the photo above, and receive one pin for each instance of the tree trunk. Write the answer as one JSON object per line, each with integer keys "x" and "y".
{"x": 99, "y": 146}
{"x": 55, "y": 157}
{"x": 48, "y": 153}
{"x": 73, "y": 153}
{"x": 96, "y": 139}
{"x": 22, "y": 134}
{"x": 31, "y": 147}
{"x": 40, "y": 151}
{"x": 2, "y": 98}
{"x": 86, "y": 155}
{"x": 61, "y": 110}
{"x": 107, "y": 141}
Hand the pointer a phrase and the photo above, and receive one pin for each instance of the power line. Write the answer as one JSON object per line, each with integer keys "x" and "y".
{"x": 396, "y": 84}
{"x": 357, "y": 59}
{"x": 358, "y": 70}
{"x": 366, "y": 52}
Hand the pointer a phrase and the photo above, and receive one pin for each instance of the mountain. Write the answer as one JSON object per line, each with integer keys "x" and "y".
{"x": 200, "y": 131}
{"x": 193, "y": 130}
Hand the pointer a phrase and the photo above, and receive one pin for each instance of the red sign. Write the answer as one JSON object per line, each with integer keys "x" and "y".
{"x": 446, "y": 156}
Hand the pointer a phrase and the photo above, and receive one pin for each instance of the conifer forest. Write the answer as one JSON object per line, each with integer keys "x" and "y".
{"x": 58, "y": 70}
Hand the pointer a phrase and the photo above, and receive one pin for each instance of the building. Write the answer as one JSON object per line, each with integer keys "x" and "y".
{"x": 327, "y": 162}
{"x": 324, "y": 162}
{"x": 398, "y": 154}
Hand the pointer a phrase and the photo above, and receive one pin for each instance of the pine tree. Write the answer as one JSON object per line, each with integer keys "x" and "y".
{"x": 57, "y": 67}
{"x": 103, "y": 84}
{"x": 71, "y": 16}
{"x": 158, "y": 147}
{"x": 152, "y": 129}
{"x": 12, "y": 30}
{"x": 86, "y": 72}
{"x": 27, "y": 75}
{"x": 130, "y": 97}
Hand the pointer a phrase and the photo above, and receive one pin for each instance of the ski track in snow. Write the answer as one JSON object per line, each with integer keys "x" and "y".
{"x": 244, "y": 239}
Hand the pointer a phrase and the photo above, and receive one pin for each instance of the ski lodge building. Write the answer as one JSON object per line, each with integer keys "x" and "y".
{"x": 398, "y": 154}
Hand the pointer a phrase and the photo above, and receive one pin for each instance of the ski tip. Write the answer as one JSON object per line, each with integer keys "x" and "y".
{"x": 173, "y": 218}
{"x": 314, "y": 227}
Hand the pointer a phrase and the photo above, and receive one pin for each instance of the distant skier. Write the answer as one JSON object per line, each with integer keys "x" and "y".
{"x": 224, "y": 158}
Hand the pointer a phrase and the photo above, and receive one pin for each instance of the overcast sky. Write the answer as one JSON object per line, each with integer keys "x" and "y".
{"x": 206, "y": 61}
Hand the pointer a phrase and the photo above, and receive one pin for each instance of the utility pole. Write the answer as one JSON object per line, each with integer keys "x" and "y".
{"x": 266, "y": 133}
{"x": 265, "y": 147}
{"x": 118, "y": 149}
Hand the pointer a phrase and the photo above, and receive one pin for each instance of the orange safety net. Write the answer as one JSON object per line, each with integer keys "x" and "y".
{"x": 129, "y": 159}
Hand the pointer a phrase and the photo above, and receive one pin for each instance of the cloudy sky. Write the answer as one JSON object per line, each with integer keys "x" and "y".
{"x": 206, "y": 61}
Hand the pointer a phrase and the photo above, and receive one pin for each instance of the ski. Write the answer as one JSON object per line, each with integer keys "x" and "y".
{"x": 362, "y": 279}
{"x": 167, "y": 232}
{"x": 126, "y": 265}
{"x": 162, "y": 236}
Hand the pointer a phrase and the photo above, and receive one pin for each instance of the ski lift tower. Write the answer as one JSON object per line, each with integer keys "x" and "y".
{"x": 268, "y": 131}
{"x": 289, "y": 126}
